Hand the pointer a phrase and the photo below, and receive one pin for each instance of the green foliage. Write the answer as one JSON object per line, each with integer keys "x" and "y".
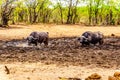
{"x": 47, "y": 11}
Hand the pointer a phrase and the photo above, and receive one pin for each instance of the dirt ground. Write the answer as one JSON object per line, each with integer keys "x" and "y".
{"x": 63, "y": 57}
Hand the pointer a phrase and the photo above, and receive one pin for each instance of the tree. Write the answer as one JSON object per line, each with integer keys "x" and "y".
{"x": 20, "y": 12}
{"x": 36, "y": 8}
{"x": 90, "y": 11}
{"x": 61, "y": 10}
{"x": 72, "y": 11}
{"x": 45, "y": 11}
{"x": 7, "y": 8}
{"x": 75, "y": 15}
{"x": 96, "y": 9}
{"x": 94, "y": 12}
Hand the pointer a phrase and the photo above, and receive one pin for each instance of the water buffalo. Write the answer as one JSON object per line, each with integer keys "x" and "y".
{"x": 38, "y": 37}
{"x": 89, "y": 37}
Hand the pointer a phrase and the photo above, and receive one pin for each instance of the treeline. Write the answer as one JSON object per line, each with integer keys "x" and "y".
{"x": 88, "y": 12}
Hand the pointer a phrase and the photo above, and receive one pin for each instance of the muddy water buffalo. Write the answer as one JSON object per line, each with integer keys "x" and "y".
{"x": 38, "y": 37}
{"x": 89, "y": 37}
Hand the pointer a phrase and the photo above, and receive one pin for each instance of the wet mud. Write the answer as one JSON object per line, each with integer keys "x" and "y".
{"x": 63, "y": 51}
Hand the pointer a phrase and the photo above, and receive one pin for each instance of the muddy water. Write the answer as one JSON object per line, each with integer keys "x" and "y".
{"x": 16, "y": 43}
{"x": 63, "y": 51}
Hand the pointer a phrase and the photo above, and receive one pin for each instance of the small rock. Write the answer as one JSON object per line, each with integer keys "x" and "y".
{"x": 94, "y": 76}
{"x": 117, "y": 74}
{"x": 112, "y": 78}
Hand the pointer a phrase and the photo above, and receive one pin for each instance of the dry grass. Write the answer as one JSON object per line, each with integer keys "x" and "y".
{"x": 22, "y": 31}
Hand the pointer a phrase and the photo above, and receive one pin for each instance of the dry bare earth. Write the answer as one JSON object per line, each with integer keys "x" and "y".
{"x": 64, "y": 57}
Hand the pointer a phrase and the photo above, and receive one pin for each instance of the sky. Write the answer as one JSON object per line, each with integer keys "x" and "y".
{"x": 64, "y": 3}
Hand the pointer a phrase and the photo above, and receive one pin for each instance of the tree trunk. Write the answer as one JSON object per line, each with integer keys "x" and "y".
{"x": 107, "y": 19}
{"x": 68, "y": 17}
{"x": 96, "y": 11}
{"x": 30, "y": 15}
{"x": 34, "y": 16}
{"x": 90, "y": 12}
{"x": 111, "y": 18}
{"x": 5, "y": 19}
{"x": 75, "y": 13}
{"x": 118, "y": 20}
{"x": 90, "y": 15}
{"x": 75, "y": 16}
{"x": 69, "y": 13}
{"x": 96, "y": 16}
{"x": 20, "y": 18}
{"x": 61, "y": 14}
